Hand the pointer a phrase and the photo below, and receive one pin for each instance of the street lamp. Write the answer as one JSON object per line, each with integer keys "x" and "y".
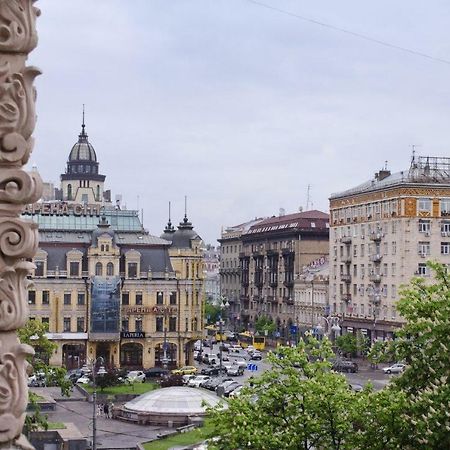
{"x": 101, "y": 371}
{"x": 223, "y": 305}
{"x": 332, "y": 326}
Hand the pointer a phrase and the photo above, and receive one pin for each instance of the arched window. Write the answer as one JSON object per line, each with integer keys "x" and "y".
{"x": 110, "y": 269}
{"x": 99, "y": 269}
{"x": 69, "y": 192}
{"x": 102, "y": 248}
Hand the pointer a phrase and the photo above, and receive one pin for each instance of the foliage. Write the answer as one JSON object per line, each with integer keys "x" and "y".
{"x": 35, "y": 421}
{"x": 265, "y": 324}
{"x": 377, "y": 353}
{"x": 106, "y": 380}
{"x": 212, "y": 313}
{"x": 137, "y": 388}
{"x": 347, "y": 343}
{"x": 299, "y": 403}
{"x": 423, "y": 345}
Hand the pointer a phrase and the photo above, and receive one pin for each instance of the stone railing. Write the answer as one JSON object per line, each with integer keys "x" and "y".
{"x": 18, "y": 237}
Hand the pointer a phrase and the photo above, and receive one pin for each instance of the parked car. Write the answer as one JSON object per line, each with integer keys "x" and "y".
{"x": 37, "y": 380}
{"x": 236, "y": 392}
{"x": 197, "y": 380}
{"x": 355, "y": 387}
{"x": 235, "y": 349}
{"x": 136, "y": 376}
{"x": 235, "y": 371}
{"x": 224, "y": 357}
{"x": 156, "y": 372}
{"x": 225, "y": 347}
{"x": 185, "y": 370}
{"x": 395, "y": 368}
{"x": 209, "y": 358}
{"x": 256, "y": 355}
{"x": 172, "y": 380}
{"x": 344, "y": 365}
{"x": 230, "y": 388}
{"x": 186, "y": 378}
{"x": 210, "y": 371}
{"x": 73, "y": 375}
{"x": 224, "y": 384}
{"x": 211, "y": 384}
{"x": 83, "y": 380}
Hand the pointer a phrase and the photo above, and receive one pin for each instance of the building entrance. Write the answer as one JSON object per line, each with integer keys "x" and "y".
{"x": 131, "y": 355}
{"x": 171, "y": 353}
{"x": 73, "y": 355}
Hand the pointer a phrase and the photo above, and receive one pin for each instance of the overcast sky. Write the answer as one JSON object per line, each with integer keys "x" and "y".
{"x": 238, "y": 106}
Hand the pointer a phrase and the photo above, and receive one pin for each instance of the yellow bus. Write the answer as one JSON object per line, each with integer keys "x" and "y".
{"x": 246, "y": 338}
{"x": 213, "y": 333}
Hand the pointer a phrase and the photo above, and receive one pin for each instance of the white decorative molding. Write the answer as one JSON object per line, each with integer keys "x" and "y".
{"x": 18, "y": 237}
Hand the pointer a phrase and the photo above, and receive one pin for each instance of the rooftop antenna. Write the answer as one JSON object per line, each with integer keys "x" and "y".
{"x": 185, "y": 207}
{"x": 308, "y": 197}
{"x": 82, "y": 124}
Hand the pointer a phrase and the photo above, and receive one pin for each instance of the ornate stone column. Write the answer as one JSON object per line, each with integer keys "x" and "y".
{"x": 18, "y": 237}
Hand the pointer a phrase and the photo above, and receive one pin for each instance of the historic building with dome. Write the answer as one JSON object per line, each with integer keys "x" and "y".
{"x": 104, "y": 285}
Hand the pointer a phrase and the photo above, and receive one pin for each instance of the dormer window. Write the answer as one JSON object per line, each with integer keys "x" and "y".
{"x": 132, "y": 264}
{"x": 74, "y": 259}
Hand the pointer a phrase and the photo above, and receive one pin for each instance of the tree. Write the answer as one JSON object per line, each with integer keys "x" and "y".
{"x": 265, "y": 324}
{"x": 347, "y": 343}
{"x": 298, "y": 404}
{"x": 212, "y": 313}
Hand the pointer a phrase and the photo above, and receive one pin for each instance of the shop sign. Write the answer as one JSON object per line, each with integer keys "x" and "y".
{"x": 132, "y": 334}
{"x": 62, "y": 209}
{"x": 150, "y": 310}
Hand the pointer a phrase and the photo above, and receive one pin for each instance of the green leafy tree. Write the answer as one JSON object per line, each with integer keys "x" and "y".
{"x": 298, "y": 404}
{"x": 377, "y": 353}
{"x": 423, "y": 344}
{"x": 347, "y": 344}
{"x": 212, "y": 313}
{"x": 265, "y": 324}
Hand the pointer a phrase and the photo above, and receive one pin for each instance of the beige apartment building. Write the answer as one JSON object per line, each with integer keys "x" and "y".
{"x": 104, "y": 285}
{"x": 382, "y": 233}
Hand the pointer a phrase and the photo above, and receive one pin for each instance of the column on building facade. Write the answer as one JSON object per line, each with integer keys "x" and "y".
{"x": 18, "y": 237}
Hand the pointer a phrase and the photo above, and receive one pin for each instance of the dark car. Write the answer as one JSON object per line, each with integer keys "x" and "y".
{"x": 172, "y": 380}
{"x": 230, "y": 388}
{"x": 345, "y": 366}
{"x": 211, "y": 371}
{"x": 156, "y": 372}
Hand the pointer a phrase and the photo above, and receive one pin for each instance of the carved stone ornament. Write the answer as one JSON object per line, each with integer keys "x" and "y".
{"x": 18, "y": 237}
{"x": 17, "y": 26}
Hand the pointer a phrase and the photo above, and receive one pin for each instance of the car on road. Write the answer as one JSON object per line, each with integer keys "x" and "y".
{"x": 209, "y": 358}
{"x": 345, "y": 365}
{"x": 236, "y": 392}
{"x": 185, "y": 370}
{"x": 172, "y": 380}
{"x": 395, "y": 368}
{"x": 212, "y": 383}
{"x": 135, "y": 376}
{"x": 235, "y": 349}
{"x": 187, "y": 378}
{"x": 230, "y": 388}
{"x": 210, "y": 371}
{"x": 235, "y": 371}
{"x": 240, "y": 362}
{"x": 197, "y": 380}
{"x": 256, "y": 356}
{"x": 156, "y": 372}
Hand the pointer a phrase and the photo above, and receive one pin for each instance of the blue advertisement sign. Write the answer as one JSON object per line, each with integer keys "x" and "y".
{"x": 105, "y": 305}
{"x": 293, "y": 329}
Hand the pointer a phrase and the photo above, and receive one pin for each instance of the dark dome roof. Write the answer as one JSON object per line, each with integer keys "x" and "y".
{"x": 184, "y": 235}
{"x": 83, "y": 150}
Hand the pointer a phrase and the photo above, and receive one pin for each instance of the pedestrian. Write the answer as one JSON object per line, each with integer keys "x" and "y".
{"x": 111, "y": 408}
{"x": 99, "y": 410}
{"x": 106, "y": 410}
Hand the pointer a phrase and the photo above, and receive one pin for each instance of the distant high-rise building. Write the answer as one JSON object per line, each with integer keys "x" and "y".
{"x": 383, "y": 232}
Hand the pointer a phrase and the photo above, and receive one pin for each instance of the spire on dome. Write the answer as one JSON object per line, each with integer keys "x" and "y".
{"x": 185, "y": 223}
{"x": 169, "y": 227}
{"x": 82, "y": 137}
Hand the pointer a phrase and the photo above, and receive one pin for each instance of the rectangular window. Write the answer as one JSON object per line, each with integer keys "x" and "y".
{"x": 66, "y": 324}
{"x": 138, "y": 298}
{"x": 363, "y": 271}
{"x": 138, "y": 325}
{"x": 160, "y": 323}
{"x": 355, "y": 270}
{"x": 362, "y": 309}
{"x": 172, "y": 324}
{"x": 393, "y": 291}
{"x": 385, "y": 270}
{"x": 45, "y": 297}
{"x": 445, "y": 248}
{"x": 362, "y": 250}
{"x": 46, "y": 322}
{"x": 394, "y": 248}
{"x": 74, "y": 269}
{"x": 424, "y": 226}
{"x": 81, "y": 299}
{"x": 385, "y": 290}
{"x": 31, "y": 297}
{"x": 424, "y": 205}
{"x": 445, "y": 228}
{"x": 125, "y": 324}
{"x": 393, "y": 269}
{"x": 355, "y": 289}
{"x": 67, "y": 298}
{"x": 355, "y": 250}
{"x": 160, "y": 298}
{"x": 125, "y": 298}
{"x": 39, "y": 271}
{"x": 424, "y": 248}
{"x": 422, "y": 269}
{"x": 385, "y": 248}
{"x": 445, "y": 207}
{"x": 80, "y": 324}
{"x": 132, "y": 270}
{"x": 173, "y": 298}
{"x": 186, "y": 325}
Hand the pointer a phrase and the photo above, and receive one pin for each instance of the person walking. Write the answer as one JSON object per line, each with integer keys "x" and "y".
{"x": 106, "y": 410}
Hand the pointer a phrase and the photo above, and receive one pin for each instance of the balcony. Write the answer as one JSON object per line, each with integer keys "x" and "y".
{"x": 375, "y": 277}
{"x": 376, "y": 258}
{"x": 346, "y": 297}
{"x": 346, "y": 277}
{"x": 376, "y": 236}
{"x": 347, "y": 259}
{"x": 346, "y": 240}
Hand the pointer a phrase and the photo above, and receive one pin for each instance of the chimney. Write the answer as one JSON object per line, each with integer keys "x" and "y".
{"x": 382, "y": 174}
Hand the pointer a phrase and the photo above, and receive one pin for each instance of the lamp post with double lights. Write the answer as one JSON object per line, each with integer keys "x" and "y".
{"x": 224, "y": 304}
{"x": 101, "y": 371}
{"x": 332, "y": 329}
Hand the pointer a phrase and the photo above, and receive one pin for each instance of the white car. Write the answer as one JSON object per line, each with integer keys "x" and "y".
{"x": 240, "y": 362}
{"x": 395, "y": 368}
{"x": 136, "y": 376}
{"x": 236, "y": 392}
{"x": 197, "y": 380}
{"x": 187, "y": 378}
{"x": 83, "y": 380}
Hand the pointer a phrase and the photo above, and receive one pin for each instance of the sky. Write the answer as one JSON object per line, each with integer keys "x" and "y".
{"x": 238, "y": 106}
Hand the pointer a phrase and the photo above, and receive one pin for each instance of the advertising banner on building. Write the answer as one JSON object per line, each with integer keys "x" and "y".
{"x": 105, "y": 305}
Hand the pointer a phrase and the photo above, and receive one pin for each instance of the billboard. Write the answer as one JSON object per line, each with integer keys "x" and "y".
{"x": 105, "y": 305}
